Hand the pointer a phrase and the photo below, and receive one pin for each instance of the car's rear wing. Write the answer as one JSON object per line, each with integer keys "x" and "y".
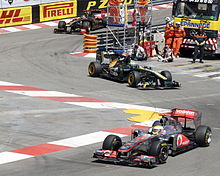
{"x": 184, "y": 115}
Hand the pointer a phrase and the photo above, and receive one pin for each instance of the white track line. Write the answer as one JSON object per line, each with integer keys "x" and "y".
{"x": 7, "y": 157}
{"x": 44, "y": 93}
{"x": 31, "y": 26}
{"x": 112, "y": 105}
{"x": 12, "y": 29}
{"x": 4, "y": 83}
{"x": 217, "y": 78}
{"x": 50, "y": 23}
{"x": 83, "y": 140}
{"x": 92, "y": 55}
{"x": 207, "y": 74}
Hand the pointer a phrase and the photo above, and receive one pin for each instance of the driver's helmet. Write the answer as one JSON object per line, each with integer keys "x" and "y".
{"x": 157, "y": 130}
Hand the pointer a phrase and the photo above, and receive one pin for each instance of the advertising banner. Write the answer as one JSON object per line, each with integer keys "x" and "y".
{"x": 59, "y": 10}
{"x": 15, "y": 16}
{"x": 94, "y": 4}
{"x": 18, "y": 3}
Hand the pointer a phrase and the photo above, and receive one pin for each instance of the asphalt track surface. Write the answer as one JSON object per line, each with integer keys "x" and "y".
{"x": 41, "y": 59}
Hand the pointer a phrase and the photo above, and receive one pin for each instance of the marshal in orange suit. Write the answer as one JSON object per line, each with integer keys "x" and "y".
{"x": 143, "y": 9}
{"x": 114, "y": 11}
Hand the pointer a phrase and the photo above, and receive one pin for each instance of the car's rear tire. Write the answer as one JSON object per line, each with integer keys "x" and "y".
{"x": 159, "y": 150}
{"x": 94, "y": 69}
{"x": 134, "y": 78}
{"x": 62, "y": 24}
{"x": 112, "y": 142}
{"x": 166, "y": 74}
{"x": 203, "y": 136}
{"x": 87, "y": 25}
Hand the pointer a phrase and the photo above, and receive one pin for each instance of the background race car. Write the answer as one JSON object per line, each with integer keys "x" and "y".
{"x": 91, "y": 20}
{"x": 177, "y": 131}
{"x": 120, "y": 67}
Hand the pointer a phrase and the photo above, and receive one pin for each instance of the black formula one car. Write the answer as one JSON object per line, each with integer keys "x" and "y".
{"x": 91, "y": 20}
{"x": 119, "y": 67}
{"x": 176, "y": 132}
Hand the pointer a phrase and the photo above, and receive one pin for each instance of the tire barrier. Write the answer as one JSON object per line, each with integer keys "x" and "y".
{"x": 90, "y": 43}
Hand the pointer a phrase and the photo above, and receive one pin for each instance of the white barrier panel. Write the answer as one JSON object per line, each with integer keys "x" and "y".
{"x": 18, "y": 3}
{"x": 49, "y": 1}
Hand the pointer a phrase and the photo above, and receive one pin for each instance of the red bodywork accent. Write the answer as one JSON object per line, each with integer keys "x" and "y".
{"x": 113, "y": 154}
{"x": 182, "y": 141}
{"x": 110, "y": 153}
{"x": 83, "y": 31}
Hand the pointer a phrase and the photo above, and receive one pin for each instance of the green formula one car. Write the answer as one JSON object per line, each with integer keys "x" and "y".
{"x": 119, "y": 67}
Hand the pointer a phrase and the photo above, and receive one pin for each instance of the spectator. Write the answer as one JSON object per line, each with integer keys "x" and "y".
{"x": 138, "y": 53}
{"x": 166, "y": 55}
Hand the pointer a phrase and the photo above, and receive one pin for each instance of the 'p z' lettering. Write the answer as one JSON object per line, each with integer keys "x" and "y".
{"x": 9, "y": 16}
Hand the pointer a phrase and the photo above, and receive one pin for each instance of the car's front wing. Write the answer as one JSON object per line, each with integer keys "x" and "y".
{"x": 114, "y": 156}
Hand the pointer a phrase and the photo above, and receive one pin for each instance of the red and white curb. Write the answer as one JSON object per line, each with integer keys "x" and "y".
{"x": 69, "y": 98}
{"x": 54, "y": 23}
{"x": 82, "y": 54}
{"x": 162, "y": 6}
{"x": 72, "y": 142}
{"x": 59, "y": 145}
{"x": 27, "y": 27}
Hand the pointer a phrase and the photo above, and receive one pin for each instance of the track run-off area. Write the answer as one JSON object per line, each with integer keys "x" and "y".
{"x": 53, "y": 115}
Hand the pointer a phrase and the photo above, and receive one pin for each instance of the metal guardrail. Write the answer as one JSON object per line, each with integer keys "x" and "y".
{"x": 159, "y": 27}
{"x": 104, "y": 35}
{"x": 160, "y": 2}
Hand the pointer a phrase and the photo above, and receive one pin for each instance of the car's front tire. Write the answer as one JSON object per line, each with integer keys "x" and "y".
{"x": 112, "y": 142}
{"x": 134, "y": 78}
{"x": 166, "y": 74}
{"x": 160, "y": 151}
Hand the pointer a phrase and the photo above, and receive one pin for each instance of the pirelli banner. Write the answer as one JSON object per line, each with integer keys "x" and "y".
{"x": 58, "y": 10}
{"x": 15, "y": 16}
